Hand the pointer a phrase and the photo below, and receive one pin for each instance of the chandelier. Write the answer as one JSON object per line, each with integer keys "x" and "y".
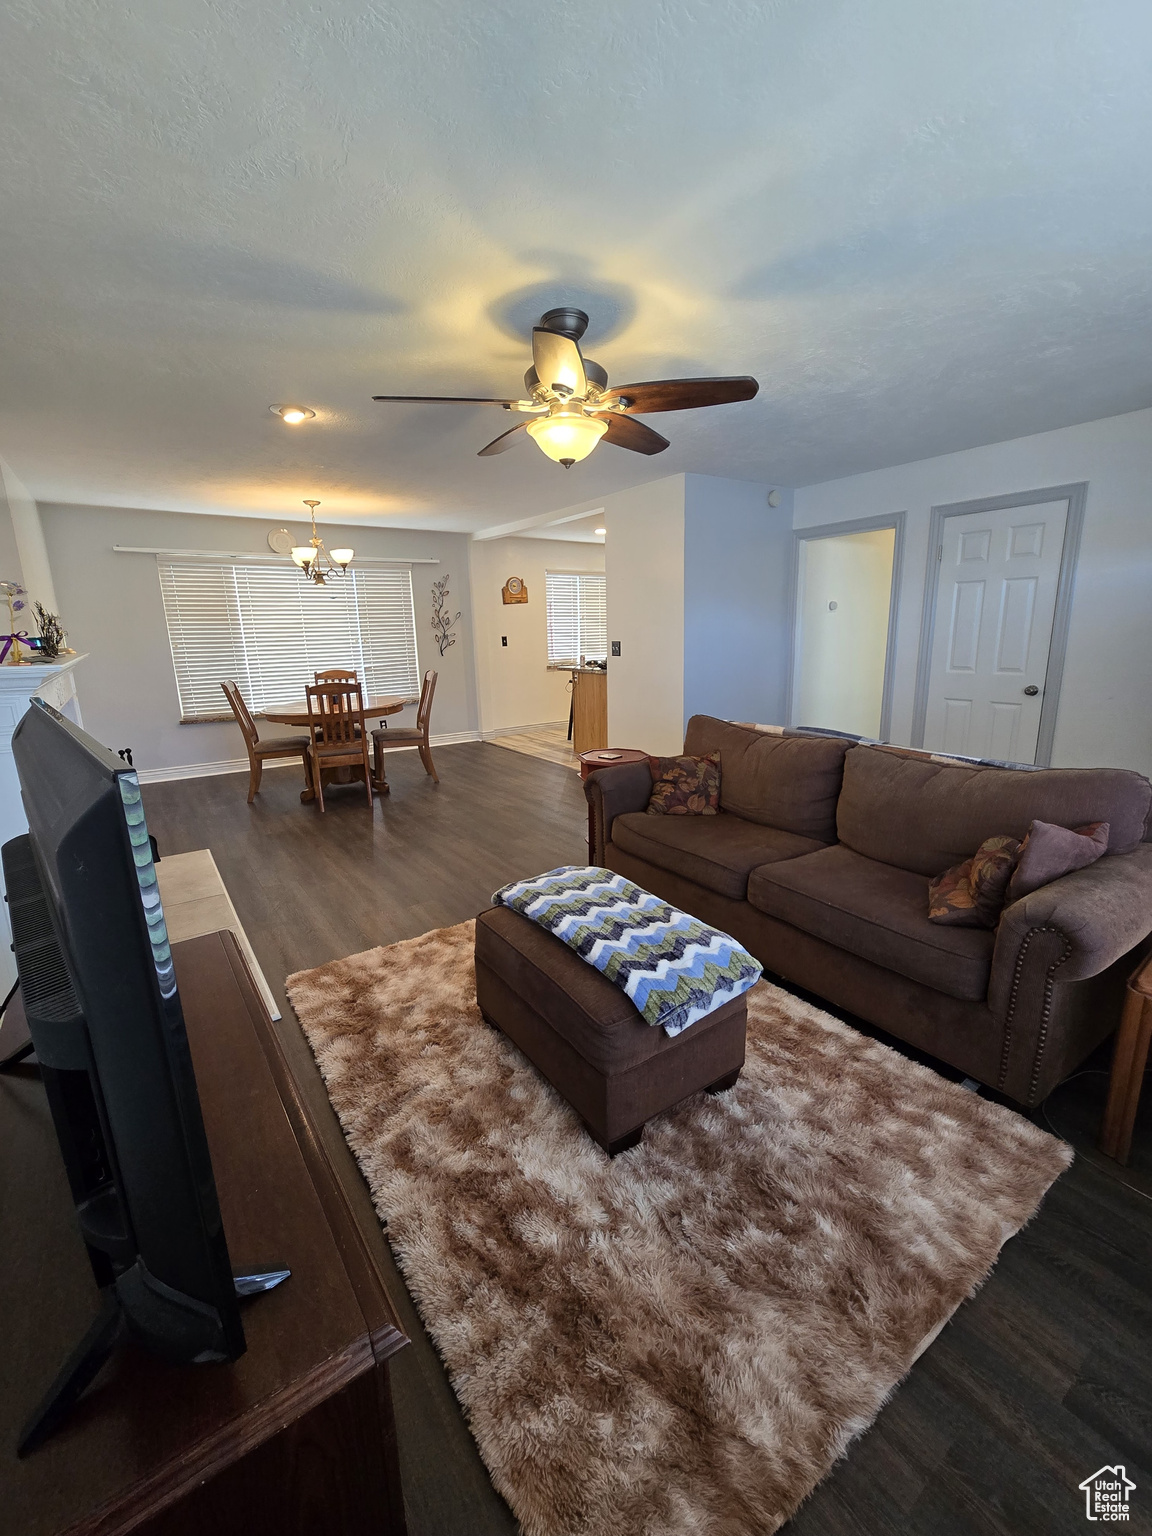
{"x": 315, "y": 561}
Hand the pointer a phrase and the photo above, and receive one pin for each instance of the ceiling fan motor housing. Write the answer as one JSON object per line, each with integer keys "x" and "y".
{"x": 565, "y": 322}
{"x": 592, "y": 372}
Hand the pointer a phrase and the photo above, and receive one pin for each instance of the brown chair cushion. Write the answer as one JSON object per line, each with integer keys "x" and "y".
{"x": 717, "y": 852}
{"x": 401, "y": 735}
{"x": 877, "y": 912}
{"x": 273, "y": 744}
{"x": 789, "y": 782}
{"x": 1049, "y": 852}
{"x": 926, "y": 816}
{"x": 685, "y": 786}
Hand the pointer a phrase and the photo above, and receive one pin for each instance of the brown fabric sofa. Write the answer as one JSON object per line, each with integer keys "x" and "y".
{"x": 819, "y": 862}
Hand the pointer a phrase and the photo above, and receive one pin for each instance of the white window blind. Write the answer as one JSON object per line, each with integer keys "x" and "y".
{"x": 270, "y": 630}
{"x": 577, "y": 616}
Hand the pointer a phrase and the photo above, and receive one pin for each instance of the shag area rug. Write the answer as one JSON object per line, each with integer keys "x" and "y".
{"x": 685, "y": 1339}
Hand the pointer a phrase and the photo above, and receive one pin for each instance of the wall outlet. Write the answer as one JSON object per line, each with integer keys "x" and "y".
{"x": 503, "y": 639}
{"x": 615, "y": 647}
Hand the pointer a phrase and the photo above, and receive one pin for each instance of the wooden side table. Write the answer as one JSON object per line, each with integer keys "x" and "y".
{"x": 606, "y": 757}
{"x": 1128, "y": 1062}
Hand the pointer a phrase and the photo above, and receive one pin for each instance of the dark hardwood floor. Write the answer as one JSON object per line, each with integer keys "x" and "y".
{"x": 1044, "y": 1376}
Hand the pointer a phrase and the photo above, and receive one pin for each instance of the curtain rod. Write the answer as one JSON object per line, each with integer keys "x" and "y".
{"x": 253, "y": 557}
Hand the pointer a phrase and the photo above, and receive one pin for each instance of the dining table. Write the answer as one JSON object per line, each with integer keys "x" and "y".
{"x": 296, "y": 714}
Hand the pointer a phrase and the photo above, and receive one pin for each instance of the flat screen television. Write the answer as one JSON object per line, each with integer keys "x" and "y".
{"x": 104, "y": 1014}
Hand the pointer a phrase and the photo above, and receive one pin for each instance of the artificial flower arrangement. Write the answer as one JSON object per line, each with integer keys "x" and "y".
{"x": 51, "y": 641}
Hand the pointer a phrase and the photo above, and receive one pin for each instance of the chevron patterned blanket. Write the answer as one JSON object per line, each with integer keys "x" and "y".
{"x": 673, "y": 967}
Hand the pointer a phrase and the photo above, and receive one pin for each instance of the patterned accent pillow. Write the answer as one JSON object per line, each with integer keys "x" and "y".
{"x": 971, "y": 895}
{"x": 685, "y": 786}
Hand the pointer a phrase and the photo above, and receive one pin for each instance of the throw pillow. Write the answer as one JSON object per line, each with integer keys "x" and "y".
{"x": 1050, "y": 851}
{"x": 971, "y": 895}
{"x": 685, "y": 786}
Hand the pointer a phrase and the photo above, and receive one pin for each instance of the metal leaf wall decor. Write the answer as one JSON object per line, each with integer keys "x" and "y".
{"x": 441, "y": 621}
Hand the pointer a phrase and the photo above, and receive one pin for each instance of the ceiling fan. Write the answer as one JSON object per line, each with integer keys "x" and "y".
{"x": 571, "y": 405}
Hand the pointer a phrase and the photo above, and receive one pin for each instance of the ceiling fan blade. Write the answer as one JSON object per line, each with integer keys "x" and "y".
{"x": 442, "y": 400}
{"x": 683, "y": 394}
{"x": 557, "y": 360}
{"x": 626, "y": 433}
{"x": 504, "y": 441}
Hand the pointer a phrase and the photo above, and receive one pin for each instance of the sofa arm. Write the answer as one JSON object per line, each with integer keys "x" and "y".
{"x": 611, "y": 792}
{"x": 1073, "y": 928}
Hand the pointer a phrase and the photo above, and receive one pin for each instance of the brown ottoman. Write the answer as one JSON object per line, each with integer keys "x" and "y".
{"x": 588, "y": 1039}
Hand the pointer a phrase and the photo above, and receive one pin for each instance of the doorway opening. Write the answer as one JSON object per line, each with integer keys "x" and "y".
{"x": 845, "y": 585}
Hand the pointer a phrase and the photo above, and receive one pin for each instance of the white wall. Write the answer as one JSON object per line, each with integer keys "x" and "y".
{"x": 1105, "y": 715}
{"x": 644, "y": 565}
{"x": 11, "y": 567}
{"x": 111, "y": 608}
{"x": 697, "y": 581}
{"x": 736, "y": 554}
{"x": 29, "y": 540}
{"x": 514, "y": 685}
{"x": 842, "y": 649}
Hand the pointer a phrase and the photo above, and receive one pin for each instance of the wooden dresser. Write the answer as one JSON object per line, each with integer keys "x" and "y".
{"x": 297, "y": 1437}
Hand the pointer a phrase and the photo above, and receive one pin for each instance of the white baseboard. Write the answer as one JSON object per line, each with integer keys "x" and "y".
{"x": 240, "y": 764}
{"x": 516, "y": 730}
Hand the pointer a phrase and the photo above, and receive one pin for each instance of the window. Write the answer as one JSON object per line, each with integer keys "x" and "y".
{"x": 269, "y": 629}
{"x": 577, "y": 617}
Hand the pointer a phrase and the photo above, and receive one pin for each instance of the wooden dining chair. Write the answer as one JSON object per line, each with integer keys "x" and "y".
{"x": 335, "y": 717}
{"x": 406, "y": 736}
{"x": 336, "y": 675}
{"x": 260, "y": 751}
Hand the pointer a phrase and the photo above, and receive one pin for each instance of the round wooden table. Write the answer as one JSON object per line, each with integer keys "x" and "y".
{"x": 297, "y": 714}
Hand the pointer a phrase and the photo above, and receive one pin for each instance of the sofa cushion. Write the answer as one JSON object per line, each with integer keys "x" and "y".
{"x": 790, "y": 782}
{"x": 877, "y": 912}
{"x": 925, "y": 816}
{"x": 717, "y": 852}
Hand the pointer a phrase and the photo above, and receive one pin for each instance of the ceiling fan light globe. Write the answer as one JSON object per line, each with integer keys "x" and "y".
{"x": 564, "y": 437}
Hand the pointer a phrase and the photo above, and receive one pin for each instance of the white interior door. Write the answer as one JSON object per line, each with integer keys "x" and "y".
{"x": 995, "y": 599}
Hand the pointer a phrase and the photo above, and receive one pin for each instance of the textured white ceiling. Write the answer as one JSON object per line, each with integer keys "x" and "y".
{"x": 922, "y": 226}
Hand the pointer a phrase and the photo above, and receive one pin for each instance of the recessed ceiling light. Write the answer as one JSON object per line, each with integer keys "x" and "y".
{"x": 600, "y": 531}
{"x": 292, "y": 414}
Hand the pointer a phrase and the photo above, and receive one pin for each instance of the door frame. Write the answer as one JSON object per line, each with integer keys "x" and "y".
{"x": 893, "y": 520}
{"x": 1076, "y": 494}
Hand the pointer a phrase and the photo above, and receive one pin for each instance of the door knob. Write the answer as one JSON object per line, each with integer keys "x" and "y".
{"x": 1031, "y": 690}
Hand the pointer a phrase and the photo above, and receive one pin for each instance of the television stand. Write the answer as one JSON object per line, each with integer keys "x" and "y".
{"x": 296, "y": 1438}
{"x": 87, "y": 1360}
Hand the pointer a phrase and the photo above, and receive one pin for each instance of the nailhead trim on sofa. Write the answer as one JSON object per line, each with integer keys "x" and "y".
{"x": 1046, "y": 1012}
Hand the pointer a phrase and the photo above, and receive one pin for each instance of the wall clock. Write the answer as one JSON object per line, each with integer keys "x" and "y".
{"x": 514, "y": 590}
